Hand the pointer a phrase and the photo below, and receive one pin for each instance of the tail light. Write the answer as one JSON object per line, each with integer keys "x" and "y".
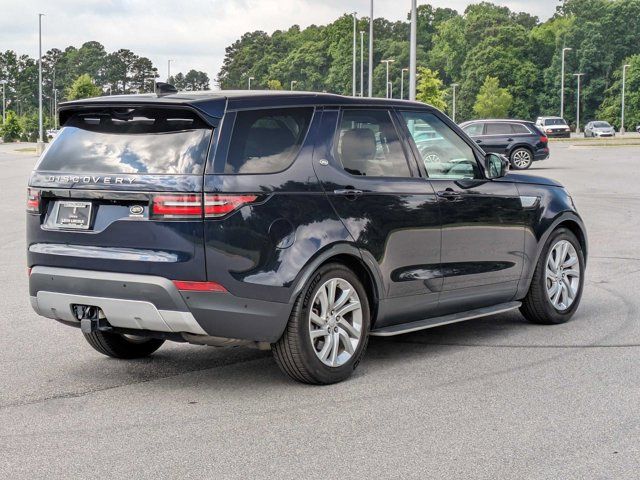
{"x": 177, "y": 206}
{"x": 221, "y": 205}
{"x": 33, "y": 200}
{"x": 544, "y": 139}
{"x": 199, "y": 286}
{"x": 191, "y": 205}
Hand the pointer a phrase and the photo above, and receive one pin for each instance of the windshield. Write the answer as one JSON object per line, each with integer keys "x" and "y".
{"x": 144, "y": 141}
{"x": 555, "y": 121}
{"x": 601, "y": 125}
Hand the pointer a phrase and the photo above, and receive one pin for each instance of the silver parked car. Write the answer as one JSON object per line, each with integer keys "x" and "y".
{"x": 599, "y": 129}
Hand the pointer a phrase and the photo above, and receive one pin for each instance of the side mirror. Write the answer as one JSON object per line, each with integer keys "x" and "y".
{"x": 497, "y": 165}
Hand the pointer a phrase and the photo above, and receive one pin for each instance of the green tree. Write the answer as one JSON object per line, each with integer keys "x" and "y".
{"x": 611, "y": 108}
{"x": 429, "y": 88}
{"x": 10, "y": 131}
{"x": 83, "y": 87}
{"x": 274, "y": 85}
{"x": 492, "y": 100}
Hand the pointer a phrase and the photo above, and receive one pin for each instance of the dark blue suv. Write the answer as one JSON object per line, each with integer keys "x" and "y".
{"x": 298, "y": 222}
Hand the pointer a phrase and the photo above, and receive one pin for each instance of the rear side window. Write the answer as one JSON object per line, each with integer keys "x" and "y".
{"x": 130, "y": 140}
{"x": 498, "y": 129}
{"x": 267, "y": 141}
{"x": 368, "y": 145}
{"x": 519, "y": 129}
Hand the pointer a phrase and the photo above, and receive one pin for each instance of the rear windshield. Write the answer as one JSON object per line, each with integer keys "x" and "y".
{"x": 130, "y": 140}
{"x": 601, "y": 125}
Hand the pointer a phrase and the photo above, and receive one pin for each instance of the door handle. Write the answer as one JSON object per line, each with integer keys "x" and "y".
{"x": 349, "y": 192}
{"x": 509, "y": 139}
{"x": 449, "y": 194}
{"x": 478, "y": 141}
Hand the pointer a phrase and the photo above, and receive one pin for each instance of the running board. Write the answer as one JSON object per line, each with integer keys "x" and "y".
{"x": 444, "y": 320}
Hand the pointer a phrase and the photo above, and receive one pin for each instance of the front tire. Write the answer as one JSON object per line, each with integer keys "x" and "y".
{"x": 328, "y": 329}
{"x": 521, "y": 159}
{"x": 120, "y": 346}
{"x": 556, "y": 287}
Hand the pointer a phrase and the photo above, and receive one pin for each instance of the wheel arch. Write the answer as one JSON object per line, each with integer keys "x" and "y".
{"x": 526, "y": 146}
{"x": 351, "y": 257}
{"x": 566, "y": 219}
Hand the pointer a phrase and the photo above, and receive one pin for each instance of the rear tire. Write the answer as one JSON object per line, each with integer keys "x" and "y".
{"x": 119, "y": 346}
{"x": 538, "y": 306}
{"x": 317, "y": 326}
{"x": 521, "y": 159}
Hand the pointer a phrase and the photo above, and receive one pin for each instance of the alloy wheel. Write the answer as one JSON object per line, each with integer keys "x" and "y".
{"x": 335, "y": 322}
{"x": 521, "y": 158}
{"x": 562, "y": 275}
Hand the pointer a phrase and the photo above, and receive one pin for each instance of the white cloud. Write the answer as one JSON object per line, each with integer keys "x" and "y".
{"x": 193, "y": 33}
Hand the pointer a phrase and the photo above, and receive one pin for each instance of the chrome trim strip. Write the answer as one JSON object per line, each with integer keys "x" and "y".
{"x": 105, "y": 253}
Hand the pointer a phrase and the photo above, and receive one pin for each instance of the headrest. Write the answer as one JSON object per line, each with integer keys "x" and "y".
{"x": 358, "y": 145}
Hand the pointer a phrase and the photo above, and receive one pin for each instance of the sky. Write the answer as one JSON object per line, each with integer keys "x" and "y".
{"x": 192, "y": 33}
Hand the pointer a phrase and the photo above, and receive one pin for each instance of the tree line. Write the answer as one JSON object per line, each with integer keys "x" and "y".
{"x": 505, "y": 63}
{"x": 77, "y": 73}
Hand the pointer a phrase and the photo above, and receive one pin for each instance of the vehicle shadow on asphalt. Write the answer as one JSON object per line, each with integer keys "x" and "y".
{"x": 230, "y": 366}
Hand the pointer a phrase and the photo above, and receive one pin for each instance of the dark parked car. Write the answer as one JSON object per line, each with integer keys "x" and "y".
{"x": 299, "y": 222}
{"x": 599, "y": 129}
{"x": 519, "y": 140}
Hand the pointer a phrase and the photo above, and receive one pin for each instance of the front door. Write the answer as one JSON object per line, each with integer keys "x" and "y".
{"x": 390, "y": 211}
{"x": 482, "y": 220}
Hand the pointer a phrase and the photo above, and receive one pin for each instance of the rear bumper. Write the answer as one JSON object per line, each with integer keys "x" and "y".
{"x": 541, "y": 154}
{"x": 145, "y": 302}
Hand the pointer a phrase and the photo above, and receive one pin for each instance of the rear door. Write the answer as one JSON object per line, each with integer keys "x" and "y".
{"x": 497, "y": 137}
{"x": 389, "y": 210}
{"x": 120, "y": 189}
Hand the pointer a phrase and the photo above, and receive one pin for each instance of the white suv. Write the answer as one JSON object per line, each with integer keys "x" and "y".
{"x": 554, "y": 126}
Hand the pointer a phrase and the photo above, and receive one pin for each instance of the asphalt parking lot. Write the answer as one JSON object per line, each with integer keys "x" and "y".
{"x": 492, "y": 398}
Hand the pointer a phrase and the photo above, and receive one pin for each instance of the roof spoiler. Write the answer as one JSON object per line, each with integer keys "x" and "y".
{"x": 163, "y": 89}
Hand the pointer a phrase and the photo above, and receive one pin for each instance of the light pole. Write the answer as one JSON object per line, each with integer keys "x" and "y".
{"x": 564, "y": 50}
{"x": 55, "y": 108}
{"x": 390, "y": 89}
{"x": 361, "y": 63}
{"x": 454, "y": 86}
{"x": 250, "y": 78}
{"x": 355, "y": 49}
{"x": 293, "y": 82}
{"x": 40, "y": 127}
{"x": 370, "y": 88}
{"x": 578, "y": 77}
{"x": 624, "y": 82}
{"x": 402, "y": 82}
{"x": 4, "y": 102}
{"x": 412, "y": 50}
{"x": 388, "y": 61}
{"x": 169, "y": 69}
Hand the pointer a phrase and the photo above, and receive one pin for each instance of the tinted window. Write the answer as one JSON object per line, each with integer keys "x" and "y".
{"x": 445, "y": 154}
{"x": 601, "y": 125}
{"x": 368, "y": 144}
{"x": 267, "y": 141}
{"x": 498, "y": 129}
{"x": 474, "y": 130}
{"x": 130, "y": 140}
{"x": 519, "y": 128}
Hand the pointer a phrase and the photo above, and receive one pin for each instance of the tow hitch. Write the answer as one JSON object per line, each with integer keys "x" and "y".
{"x": 91, "y": 319}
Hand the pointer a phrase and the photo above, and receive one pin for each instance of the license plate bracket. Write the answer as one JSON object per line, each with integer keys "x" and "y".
{"x": 73, "y": 215}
